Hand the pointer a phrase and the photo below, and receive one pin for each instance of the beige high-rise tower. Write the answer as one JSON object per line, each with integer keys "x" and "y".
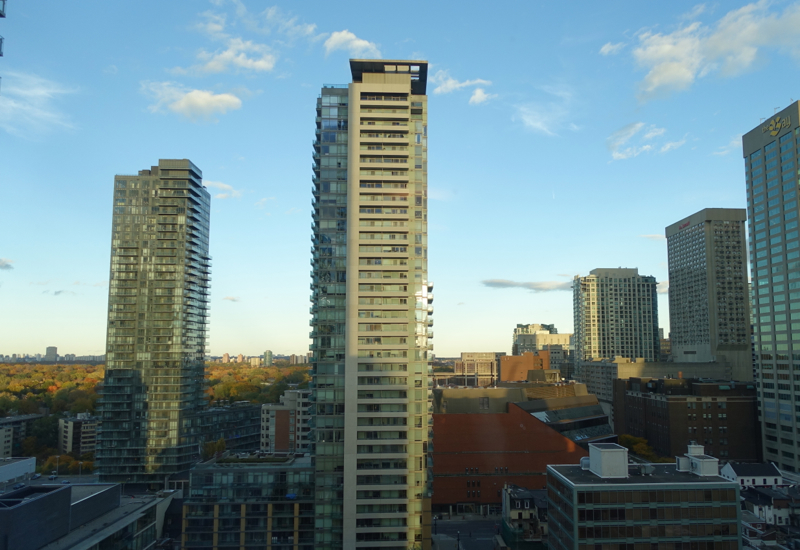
{"x": 371, "y": 309}
{"x": 709, "y": 306}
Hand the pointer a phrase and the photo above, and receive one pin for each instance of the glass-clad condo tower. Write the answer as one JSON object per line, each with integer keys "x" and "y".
{"x": 771, "y": 170}
{"x": 157, "y": 314}
{"x": 371, "y": 312}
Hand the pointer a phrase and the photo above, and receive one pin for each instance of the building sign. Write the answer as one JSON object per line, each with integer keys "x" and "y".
{"x": 776, "y": 125}
{"x": 683, "y": 225}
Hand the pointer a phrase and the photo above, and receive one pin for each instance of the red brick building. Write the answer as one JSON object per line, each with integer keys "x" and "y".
{"x": 476, "y": 454}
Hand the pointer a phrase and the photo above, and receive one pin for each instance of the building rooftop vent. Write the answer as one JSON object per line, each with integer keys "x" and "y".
{"x": 608, "y": 460}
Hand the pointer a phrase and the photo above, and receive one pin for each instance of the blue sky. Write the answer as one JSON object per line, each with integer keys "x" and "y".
{"x": 563, "y": 137}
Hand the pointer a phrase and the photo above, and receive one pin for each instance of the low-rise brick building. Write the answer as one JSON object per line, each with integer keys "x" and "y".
{"x": 671, "y": 413}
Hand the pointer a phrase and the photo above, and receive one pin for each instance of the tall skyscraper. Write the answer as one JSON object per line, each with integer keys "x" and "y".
{"x": 709, "y": 311}
{"x": 370, "y": 305}
{"x": 771, "y": 168}
{"x": 157, "y": 314}
{"x": 616, "y": 315}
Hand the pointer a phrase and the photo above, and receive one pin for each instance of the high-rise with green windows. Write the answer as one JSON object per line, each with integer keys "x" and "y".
{"x": 771, "y": 168}
{"x": 371, "y": 312}
{"x": 157, "y": 314}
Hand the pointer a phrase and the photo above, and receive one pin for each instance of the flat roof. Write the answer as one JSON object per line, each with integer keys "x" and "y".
{"x": 92, "y": 532}
{"x": 662, "y": 474}
{"x": 419, "y": 80}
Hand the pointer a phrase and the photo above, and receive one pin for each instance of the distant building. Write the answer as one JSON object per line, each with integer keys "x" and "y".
{"x": 672, "y": 413}
{"x": 226, "y": 358}
{"x": 21, "y": 428}
{"x": 666, "y": 349}
{"x": 78, "y": 434}
{"x": 535, "y": 337}
{"x": 268, "y": 358}
{"x": 599, "y": 376}
{"x": 255, "y": 361}
{"x": 14, "y": 470}
{"x": 284, "y": 425}
{"x": 51, "y": 354}
{"x": 616, "y": 315}
{"x": 268, "y": 504}
{"x": 77, "y": 517}
{"x": 476, "y": 369}
{"x": 515, "y": 368}
{"x": 240, "y": 358}
{"x": 765, "y": 474}
{"x": 6, "y": 441}
{"x": 709, "y": 304}
{"x": 607, "y": 502}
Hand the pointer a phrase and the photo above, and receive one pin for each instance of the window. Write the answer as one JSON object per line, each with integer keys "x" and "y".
{"x": 518, "y": 504}
{"x": 527, "y": 504}
{"x": 484, "y": 403}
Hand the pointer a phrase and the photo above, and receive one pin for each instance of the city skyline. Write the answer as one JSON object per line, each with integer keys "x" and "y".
{"x": 208, "y": 72}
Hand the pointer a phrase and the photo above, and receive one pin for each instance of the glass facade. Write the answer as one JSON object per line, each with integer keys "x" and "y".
{"x": 371, "y": 310}
{"x": 157, "y": 314}
{"x": 772, "y": 186}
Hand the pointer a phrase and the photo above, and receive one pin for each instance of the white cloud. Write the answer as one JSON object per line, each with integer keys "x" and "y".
{"x": 261, "y": 203}
{"x": 446, "y": 84}
{"x": 654, "y": 132}
{"x": 479, "y": 96}
{"x": 616, "y": 142}
{"x": 5, "y": 263}
{"x": 213, "y": 25}
{"x": 671, "y": 145}
{"x": 549, "y": 115}
{"x": 536, "y": 286}
{"x": 357, "y": 47}
{"x": 611, "y": 49}
{"x": 193, "y": 104}
{"x": 231, "y": 298}
{"x": 653, "y": 237}
{"x": 239, "y": 54}
{"x": 662, "y": 287}
{"x": 227, "y": 191}
{"x": 28, "y": 105}
{"x": 734, "y": 144}
{"x": 695, "y": 12}
{"x": 675, "y": 60}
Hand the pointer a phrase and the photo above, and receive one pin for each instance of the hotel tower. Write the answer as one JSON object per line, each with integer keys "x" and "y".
{"x": 771, "y": 169}
{"x": 371, "y": 312}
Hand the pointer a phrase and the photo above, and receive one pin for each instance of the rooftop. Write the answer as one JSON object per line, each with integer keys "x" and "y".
{"x": 417, "y": 69}
{"x": 766, "y": 469}
{"x": 662, "y": 473}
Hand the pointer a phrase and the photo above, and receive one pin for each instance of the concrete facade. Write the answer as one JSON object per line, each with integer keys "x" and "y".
{"x": 371, "y": 307}
{"x": 284, "y": 425}
{"x": 515, "y": 368}
{"x": 78, "y": 435}
{"x": 709, "y": 303}
{"x": 616, "y": 315}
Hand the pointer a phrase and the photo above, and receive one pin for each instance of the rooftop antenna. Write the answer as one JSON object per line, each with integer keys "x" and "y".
{"x": 776, "y": 110}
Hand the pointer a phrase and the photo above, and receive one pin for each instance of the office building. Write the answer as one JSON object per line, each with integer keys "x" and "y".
{"x": 78, "y": 434}
{"x": 370, "y": 308}
{"x": 267, "y": 358}
{"x": 515, "y": 368}
{"x": 709, "y": 306}
{"x": 284, "y": 425}
{"x": 226, "y": 358}
{"x": 616, "y": 315}
{"x": 6, "y": 441}
{"x": 670, "y": 413}
{"x": 772, "y": 181}
{"x": 51, "y": 354}
{"x": 609, "y": 503}
{"x": 157, "y": 315}
{"x": 250, "y": 502}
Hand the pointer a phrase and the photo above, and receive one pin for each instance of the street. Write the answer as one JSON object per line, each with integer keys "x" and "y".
{"x": 474, "y": 534}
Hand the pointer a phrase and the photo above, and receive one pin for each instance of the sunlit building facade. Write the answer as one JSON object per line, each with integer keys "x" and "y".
{"x": 371, "y": 309}
{"x": 157, "y": 315}
{"x": 771, "y": 170}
